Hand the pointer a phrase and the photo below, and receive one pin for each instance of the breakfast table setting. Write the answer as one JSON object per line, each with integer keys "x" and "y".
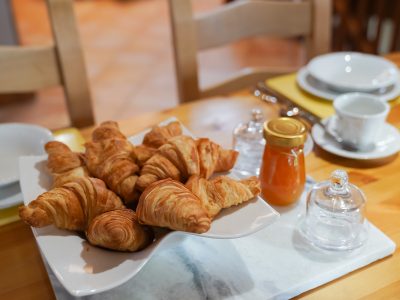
{"x": 330, "y": 232}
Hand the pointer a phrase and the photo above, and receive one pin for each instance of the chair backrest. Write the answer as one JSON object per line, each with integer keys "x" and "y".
{"x": 367, "y": 26}
{"x": 26, "y": 69}
{"x": 237, "y": 20}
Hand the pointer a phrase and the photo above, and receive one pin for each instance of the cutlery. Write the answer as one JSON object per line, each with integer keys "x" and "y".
{"x": 289, "y": 109}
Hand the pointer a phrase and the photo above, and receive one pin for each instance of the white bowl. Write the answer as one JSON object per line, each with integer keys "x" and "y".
{"x": 352, "y": 71}
{"x": 17, "y": 140}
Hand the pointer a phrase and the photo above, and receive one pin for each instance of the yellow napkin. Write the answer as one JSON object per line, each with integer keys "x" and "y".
{"x": 287, "y": 86}
{"x": 9, "y": 215}
{"x": 71, "y": 137}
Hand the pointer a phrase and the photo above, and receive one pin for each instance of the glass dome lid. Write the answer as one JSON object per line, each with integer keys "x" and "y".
{"x": 337, "y": 194}
{"x": 335, "y": 215}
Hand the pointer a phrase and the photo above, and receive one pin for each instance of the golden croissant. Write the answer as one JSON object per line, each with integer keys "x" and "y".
{"x": 71, "y": 206}
{"x": 168, "y": 203}
{"x": 64, "y": 164}
{"x": 182, "y": 156}
{"x": 119, "y": 230}
{"x": 110, "y": 157}
{"x": 222, "y": 192}
{"x": 143, "y": 153}
{"x": 177, "y": 159}
{"x": 213, "y": 158}
{"x": 159, "y": 135}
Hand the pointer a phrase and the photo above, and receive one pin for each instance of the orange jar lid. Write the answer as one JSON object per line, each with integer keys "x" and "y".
{"x": 285, "y": 132}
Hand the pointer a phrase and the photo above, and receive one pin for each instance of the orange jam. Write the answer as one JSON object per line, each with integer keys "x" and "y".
{"x": 282, "y": 172}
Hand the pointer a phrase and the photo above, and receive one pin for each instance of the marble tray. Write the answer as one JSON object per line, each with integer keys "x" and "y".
{"x": 274, "y": 263}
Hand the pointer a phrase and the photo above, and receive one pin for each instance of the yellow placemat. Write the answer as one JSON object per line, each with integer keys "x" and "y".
{"x": 70, "y": 137}
{"x": 287, "y": 86}
{"x": 9, "y": 215}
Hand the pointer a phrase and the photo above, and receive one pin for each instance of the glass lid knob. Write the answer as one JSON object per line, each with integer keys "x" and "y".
{"x": 257, "y": 115}
{"x": 338, "y": 183}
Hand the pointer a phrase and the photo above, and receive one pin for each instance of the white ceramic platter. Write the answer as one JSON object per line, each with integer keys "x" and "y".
{"x": 387, "y": 146}
{"x": 17, "y": 139}
{"x": 320, "y": 89}
{"x": 353, "y": 71}
{"x": 84, "y": 269}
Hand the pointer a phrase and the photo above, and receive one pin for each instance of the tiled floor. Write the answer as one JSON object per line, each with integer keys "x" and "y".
{"x": 128, "y": 51}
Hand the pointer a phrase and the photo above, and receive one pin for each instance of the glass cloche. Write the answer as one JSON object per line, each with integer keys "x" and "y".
{"x": 335, "y": 215}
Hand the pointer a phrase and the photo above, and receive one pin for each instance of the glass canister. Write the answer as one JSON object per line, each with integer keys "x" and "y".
{"x": 249, "y": 141}
{"x": 335, "y": 216}
{"x": 282, "y": 173}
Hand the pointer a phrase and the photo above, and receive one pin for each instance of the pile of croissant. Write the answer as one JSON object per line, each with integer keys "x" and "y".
{"x": 118, "y": 193}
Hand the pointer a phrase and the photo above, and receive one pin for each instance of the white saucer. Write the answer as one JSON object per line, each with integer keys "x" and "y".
{"x": 19, "y": 139}
{"x": 308, "y": 145}
{"x": 10, "y": 195}
{"x": 387, "y": 146}
{"x": 320, "y": 89}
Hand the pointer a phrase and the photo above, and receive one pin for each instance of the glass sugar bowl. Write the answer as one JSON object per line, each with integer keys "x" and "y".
{"x": 335, "y": 215}
{"x": 248, "y": 139}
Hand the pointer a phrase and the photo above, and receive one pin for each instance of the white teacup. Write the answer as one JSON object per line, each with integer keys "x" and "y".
{"x": 359, "y": 119}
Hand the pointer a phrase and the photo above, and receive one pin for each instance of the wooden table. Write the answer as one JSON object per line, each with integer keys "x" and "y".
{"x": 23, "y": 274}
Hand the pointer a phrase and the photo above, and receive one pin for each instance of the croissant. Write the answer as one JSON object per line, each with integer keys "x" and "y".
{"x": 168, "y": 203}
{"x": 64, "y": 164}
{"x": 181, "y": 156}
{"x": 110, "y": 157}
{"x": 71, "y": 206}
{"x": 107, "y": 130}
{"x": 119, "y": 230}
{"x": 177, "y": 159}
{"x": 213, "y": 158}
{"x": 222, "y": 192}
{"x": 143, "y": 153}
{"x": 159, "y": 135}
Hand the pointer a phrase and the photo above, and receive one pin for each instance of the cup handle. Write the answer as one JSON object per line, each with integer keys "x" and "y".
{"x": 332, "y": 125}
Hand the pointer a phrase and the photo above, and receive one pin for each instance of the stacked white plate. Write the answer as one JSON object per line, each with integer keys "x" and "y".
{"x": 327, "y": 76}
{"x": 330, "y": 75}
{"x": 17, "y": 140}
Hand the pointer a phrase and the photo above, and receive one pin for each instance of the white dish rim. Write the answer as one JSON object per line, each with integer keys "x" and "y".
{"x": 330, "y": 95}
{"x": 314, "y": 70}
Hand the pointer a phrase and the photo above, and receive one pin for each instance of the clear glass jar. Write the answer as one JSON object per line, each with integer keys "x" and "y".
{"x": 282, "y": 174}
{"x": 335, "y": 216}
{"x": 249, "y": 141}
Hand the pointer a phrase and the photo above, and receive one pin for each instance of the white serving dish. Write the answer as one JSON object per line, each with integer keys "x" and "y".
{"x": 84, "y": 269}
{"x": 322, "y": 90}
{"x": 17, "y": 139}
{"x": 352, "y": 71}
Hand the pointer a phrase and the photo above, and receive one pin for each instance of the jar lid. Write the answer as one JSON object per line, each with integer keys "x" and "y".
{"x": 285, "y": 132}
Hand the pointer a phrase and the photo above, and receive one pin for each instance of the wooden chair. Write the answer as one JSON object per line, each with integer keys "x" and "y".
{"x": 26, "y": 69}
{"x": 238, "y": 20}
{"x": 353, "y": 31}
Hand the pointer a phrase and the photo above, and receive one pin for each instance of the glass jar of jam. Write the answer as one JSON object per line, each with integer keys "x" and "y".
{"x": 282, "y": 173}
